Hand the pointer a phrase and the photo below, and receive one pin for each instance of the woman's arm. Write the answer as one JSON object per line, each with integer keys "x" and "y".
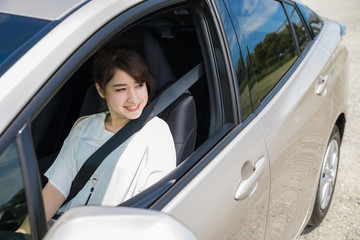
{"x": 53, "y": 199}
{"x": 61, "y": 173}
{"x": 162, "y": 154}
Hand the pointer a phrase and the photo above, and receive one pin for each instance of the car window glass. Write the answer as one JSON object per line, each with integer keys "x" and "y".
{"x": 13, "y": 206}
{"x": 16, "y": 35}
{"x": 270, "y": 47}
{"x": 313, "y": 20}
{"x": 244, "y": 91}
{"x": 238, "y": 63}
{"x": 300, "y": 31}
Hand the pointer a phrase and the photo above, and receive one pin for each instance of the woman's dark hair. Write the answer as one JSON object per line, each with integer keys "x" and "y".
{"x": 109, "y": 59}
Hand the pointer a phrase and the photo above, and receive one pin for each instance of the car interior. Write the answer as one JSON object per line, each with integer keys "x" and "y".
{"x": 169, "y": 42}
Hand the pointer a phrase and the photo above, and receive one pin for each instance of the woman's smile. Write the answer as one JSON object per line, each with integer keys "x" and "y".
{"x": 132, "y": 108}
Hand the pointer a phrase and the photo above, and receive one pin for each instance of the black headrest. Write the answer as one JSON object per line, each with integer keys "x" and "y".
{"x": 158, "y": 65}
{"x": 146, "y": 44}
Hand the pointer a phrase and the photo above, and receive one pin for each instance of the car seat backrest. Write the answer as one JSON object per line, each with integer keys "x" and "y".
{"x": 181, "y": 114}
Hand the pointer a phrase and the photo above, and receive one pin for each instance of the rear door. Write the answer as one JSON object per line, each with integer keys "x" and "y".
{"x": 288, "y": 76}
{"x": 297, "y": 124}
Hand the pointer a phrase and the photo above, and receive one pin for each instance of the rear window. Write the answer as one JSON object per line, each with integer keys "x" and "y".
{"x": 300, "y": 30}
{"x": 16, "y": 35}
{"x": 267, "y": 43}
{"x": 313, "y": 21}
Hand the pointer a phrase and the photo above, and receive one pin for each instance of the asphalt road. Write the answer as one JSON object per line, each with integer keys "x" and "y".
{"x": 343, "y": 218}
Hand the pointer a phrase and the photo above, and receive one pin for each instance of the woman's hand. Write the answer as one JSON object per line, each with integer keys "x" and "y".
{"x": 25, "y": 227}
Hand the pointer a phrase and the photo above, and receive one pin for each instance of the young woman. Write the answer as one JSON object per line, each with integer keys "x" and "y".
{"x": 122, "y": 79}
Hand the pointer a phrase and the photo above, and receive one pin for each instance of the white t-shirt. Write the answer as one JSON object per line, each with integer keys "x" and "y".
{"x": 136, "y": 164}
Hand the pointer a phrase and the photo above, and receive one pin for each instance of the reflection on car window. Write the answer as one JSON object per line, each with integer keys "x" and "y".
{"x": 313, "y": 20}
{"x": 301, "y": 35}
{"x": 13, "y": 207}
{"x": 238, "y": 63}
{"x": 15, "y": 31}
{"x": 268, "y": 45}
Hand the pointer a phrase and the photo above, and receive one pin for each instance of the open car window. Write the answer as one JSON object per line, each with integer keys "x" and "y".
{"x": 172, "y": 41}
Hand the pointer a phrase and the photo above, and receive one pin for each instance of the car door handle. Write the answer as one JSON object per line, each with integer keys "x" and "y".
{"x": 322, "y": 85}
{"x": 248, "y": 186}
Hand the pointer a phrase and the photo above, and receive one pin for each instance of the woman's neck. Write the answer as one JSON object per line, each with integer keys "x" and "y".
{"x": 114, "y": 124}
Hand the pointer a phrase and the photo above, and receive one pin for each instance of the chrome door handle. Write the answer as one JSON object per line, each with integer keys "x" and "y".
{"x": 248, "y": 186}
{"x": 322, "y": 85}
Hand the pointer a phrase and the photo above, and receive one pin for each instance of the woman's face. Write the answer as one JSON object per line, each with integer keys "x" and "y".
{"x": 125, "y": 97}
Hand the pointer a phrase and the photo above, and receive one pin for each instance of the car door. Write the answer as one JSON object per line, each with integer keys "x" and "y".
{"x": 289, "y": 97}
{"x": 225, "y": 195}
{"x": 207, "y": 202}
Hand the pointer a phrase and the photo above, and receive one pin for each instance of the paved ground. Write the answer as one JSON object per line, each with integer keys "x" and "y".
{"x": 343, "y": 219}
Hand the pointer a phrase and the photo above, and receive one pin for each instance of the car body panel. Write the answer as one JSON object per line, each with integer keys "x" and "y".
{"x": 340, "y": 88}
{"x": 210, "y": 195}
{"x": 43, "y": 9}
{"x": 95, "y": 222}
{"x": 296, "y": 153}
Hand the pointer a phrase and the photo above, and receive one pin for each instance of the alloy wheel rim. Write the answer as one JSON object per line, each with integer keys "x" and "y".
{"x": 328, "y": 173}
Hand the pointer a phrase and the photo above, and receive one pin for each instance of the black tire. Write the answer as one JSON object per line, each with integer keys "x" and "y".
{"x": 322, "y": 203}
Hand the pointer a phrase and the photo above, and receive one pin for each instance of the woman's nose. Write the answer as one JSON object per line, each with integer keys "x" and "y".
{"x": 132, "y": 96}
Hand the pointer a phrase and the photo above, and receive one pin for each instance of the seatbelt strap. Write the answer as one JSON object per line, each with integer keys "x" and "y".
{"x": 168, "y": 96}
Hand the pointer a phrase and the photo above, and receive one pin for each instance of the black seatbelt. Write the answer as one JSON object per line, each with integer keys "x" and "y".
{"x": 168, "y": 96}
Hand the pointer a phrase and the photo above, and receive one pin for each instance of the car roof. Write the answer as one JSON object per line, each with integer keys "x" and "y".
{"x": 43, "y": 9}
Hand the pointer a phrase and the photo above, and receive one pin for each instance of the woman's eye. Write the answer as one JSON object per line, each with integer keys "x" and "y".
{"x": 140, "y": 85}
{"x": 120, "y": 89}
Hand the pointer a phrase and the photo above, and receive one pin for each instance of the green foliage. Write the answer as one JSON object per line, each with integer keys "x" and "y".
{"x": 275, "y": 50}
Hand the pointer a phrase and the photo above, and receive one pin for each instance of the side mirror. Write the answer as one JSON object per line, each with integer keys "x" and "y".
{"x": 98, "y": 222}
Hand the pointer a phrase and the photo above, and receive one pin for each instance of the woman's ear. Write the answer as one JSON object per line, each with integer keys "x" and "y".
{"x": 100, "y": 91}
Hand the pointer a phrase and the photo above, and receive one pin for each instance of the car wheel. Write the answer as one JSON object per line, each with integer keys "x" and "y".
{"x": 327, "y": 180}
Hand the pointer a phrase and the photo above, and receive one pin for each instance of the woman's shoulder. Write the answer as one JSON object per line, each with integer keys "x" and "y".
{"x": 156, "y": 127}
{"x": 89, "y": 120}
{"x": 155, "y": 123}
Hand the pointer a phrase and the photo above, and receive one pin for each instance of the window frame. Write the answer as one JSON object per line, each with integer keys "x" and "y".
{"x": 33, "y": 190}
{"x": 293, "y": 33}
{"x": 19, "y": 133}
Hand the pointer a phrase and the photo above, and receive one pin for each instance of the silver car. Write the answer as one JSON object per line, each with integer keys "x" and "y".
{"x": 257, "y": 131}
